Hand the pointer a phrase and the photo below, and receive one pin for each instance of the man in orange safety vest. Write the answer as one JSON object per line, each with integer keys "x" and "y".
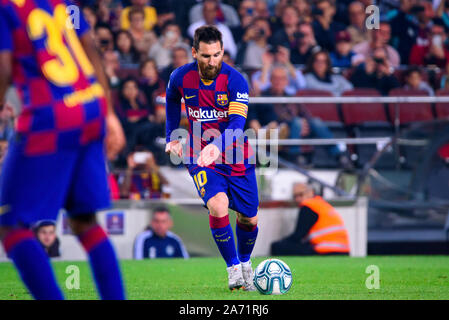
{"x": 319, "y": 231}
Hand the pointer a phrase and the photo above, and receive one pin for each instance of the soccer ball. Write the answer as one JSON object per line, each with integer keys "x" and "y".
{"x": 273, "y": 276}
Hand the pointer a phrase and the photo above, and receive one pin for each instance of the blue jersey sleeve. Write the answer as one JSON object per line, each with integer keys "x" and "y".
{"x": 6, "y": 43}
{"x": 172, "y": 105}
{"x": 238, "y": 111}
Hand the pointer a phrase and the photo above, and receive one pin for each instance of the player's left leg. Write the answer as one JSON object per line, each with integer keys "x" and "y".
{"x": 88, "y": 193}
{"x": 101, "y": 254}
{"x": 244, "y": 200}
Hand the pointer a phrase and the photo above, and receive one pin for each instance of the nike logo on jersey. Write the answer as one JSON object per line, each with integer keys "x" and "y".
{"x": 190, "y": 97}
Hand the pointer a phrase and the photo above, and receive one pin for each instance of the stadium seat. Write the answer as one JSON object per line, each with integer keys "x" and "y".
{"x": 329, "y": 114}
{"x": 368, "y": 120}
{"x": 442, "y": 108}
{"x": 410, "y": 112}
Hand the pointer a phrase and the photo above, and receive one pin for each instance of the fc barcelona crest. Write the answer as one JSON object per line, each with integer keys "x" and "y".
{"x": 222, "y": 99}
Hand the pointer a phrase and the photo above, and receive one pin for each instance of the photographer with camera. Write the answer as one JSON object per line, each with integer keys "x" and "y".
{"x": 255, "y": 43}
{"x": 435, "y": 50}
{"x": 376, "y": 72}
{"x": 324, "y": 26}
{"x": 306, "y": 44}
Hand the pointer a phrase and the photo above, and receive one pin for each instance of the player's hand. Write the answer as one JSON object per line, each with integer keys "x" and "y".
{"x": 208, "y": 155}
{"x": 174, "y": 147}
{"x": 115, "y": 138}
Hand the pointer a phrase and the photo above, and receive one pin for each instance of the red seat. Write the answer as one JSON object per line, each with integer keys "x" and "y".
{"x": 442, "y": 108}
{"x": 410, "y": 112}
{"x": 357, "y": 113}
{"x": 325, "y": 111}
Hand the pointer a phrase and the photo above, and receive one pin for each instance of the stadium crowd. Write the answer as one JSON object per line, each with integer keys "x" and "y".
{"x": 283, "y": 48}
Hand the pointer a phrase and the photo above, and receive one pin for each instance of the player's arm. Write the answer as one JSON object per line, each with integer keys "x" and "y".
{"x": 6, "y": 46}
{"x": 115, "y": 138}
{"x": 173, "y": 115}
{"x": 238, "y": 112}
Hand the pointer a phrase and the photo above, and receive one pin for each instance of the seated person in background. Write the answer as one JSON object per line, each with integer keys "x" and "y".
{"x": 135, "y": 115}
{"x": 142, "y": 178}
{"x": 376, "y": 73}
{"x": 157, "y": 241}
{"x": 319, "y": 229}
{"x": 129, "y": 57}
{"x": 343, "y": 53}
{"x": 45, "y": 231}
{"x": 279, "y": 56}
{"x": 433, "y": 51}
{"x": 292, "y": 121}
{"x": 150, "y": 15}
{"x": 413, "y": 81}
{"x": 319, "y": 75}
{"x": 179, "y": 57}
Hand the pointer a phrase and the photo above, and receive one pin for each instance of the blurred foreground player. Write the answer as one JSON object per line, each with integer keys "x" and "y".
{"x": 56, "y": 159}
{"x": 216, "y": 100}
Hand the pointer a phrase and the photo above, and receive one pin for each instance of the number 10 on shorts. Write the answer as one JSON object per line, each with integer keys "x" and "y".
{"x": 200, "y": 180}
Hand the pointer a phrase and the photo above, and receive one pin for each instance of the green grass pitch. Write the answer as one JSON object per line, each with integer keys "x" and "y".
{"x": 401, "y": 277}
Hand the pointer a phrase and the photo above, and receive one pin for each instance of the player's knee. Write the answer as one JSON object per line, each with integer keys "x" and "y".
{"x": 81, "y": 223}
{"x": 250, "y": 222}
{"x": 218, "y": 205}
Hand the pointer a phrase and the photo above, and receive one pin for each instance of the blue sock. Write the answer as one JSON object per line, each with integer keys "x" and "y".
{"x": 224, "y": 238}
{"x": 246, "y": 239}
{"x": 33, "y": 264}
{"x": 104, "y": 264}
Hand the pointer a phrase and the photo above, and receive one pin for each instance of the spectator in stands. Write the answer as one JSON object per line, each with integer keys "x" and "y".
{"x": 150, "y": 82}
{"x": 45, "y": 231}
{"x": 444, "y": 82}
{"x": 324, "y": 26}
{"x": 376, "y": 73}
{"x": 111, "y": 63}
{"x": 224, "y": 14}
{"x": 304, "y": 9}
{"x": 357, "y": 27}
{"x": 170, "y": 38}
{"x": 320, "y": 230}
{"x": 143, "y": 38}
{"x": 255, "y": 44}
{"x": 319, "y": 75}
{"x": 90, "y": 16}
{"x": 246, "y": 14}
{"x": 210, "y": 17}
{"x": 379, "y": 39}
{"x": 342, "y": 56}
{"x": 149, "y": 15}
{"x": 104, "y": 37}
{"x": 279, "y": 56}
{"x": 434, "y": 50}
{"x": 157, "y": 241}
{"x": 128, "y": 55}
{"x": 142, "y": 178}
{"x": 288, "y": 36}
{"x": 306, "y": 45}
{"x": 179, "y": 57}
{"x": 443, "y": 12}
{"x": 293, "y": 121}
{"x": 414, "y": 81}
{"x": 404, "y": 29}
{"x": 106, "y": 12}
{"x": 135, "y": 115}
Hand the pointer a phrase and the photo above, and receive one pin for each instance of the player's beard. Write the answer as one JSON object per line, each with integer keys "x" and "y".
{"x": 208, "y": 72}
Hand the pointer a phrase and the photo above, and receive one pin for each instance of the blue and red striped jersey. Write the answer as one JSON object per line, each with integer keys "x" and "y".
{"x": 217, "y": 111}
{"x": 63, "y": 103}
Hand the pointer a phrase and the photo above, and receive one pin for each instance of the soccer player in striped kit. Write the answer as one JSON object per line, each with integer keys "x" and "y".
{"x": 217, "y": 154}
{"x": 56, "y": 158}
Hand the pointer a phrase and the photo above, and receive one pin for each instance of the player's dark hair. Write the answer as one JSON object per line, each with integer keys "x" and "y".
{"x": 207, "y": 34}
{"x": 161, "y": 209}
